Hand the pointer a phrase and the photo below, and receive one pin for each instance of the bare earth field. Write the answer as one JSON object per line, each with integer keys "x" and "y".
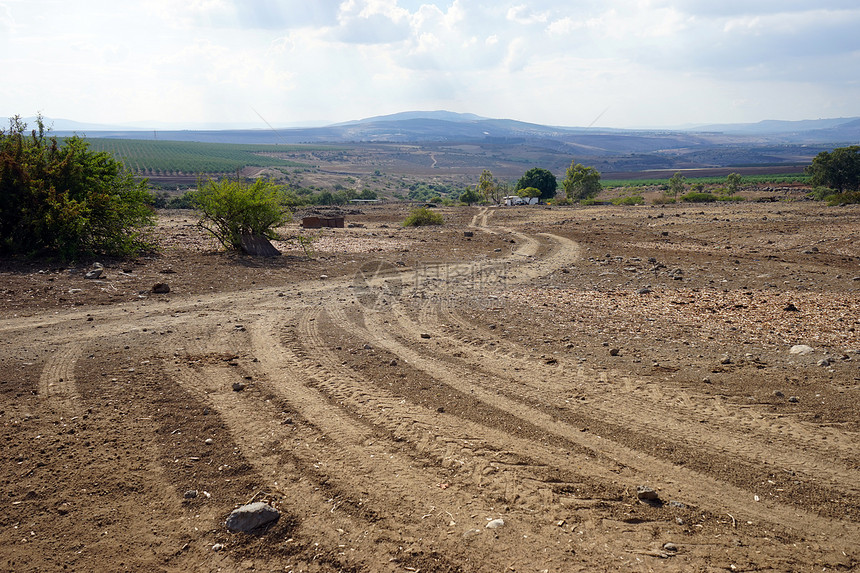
{"x": 404, "y": 389}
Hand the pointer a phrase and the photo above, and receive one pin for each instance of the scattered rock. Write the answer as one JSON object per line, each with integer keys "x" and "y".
{"x": 471, "y": 533}
{"x": 790, "y": 308}
{"x": 94, "y": 274}
{"x": 645, "y": 493}
{"x": 706, "y": 380}
{"x": 368, "y": 347}
{"x": 238, "y": 386}
{"x": 801, "y": 349}
{"x": 495, "y": 524}
{"x": 824, "y": 362}
{"x": 645, "y": 290}
{"x": 393, "y": 362}
{"x": 614, "y": 351}
{"x": 778, "y": 394}
{"x": 160, "y": 288}
{"x": 218, "y": 547}
{"x": 425, "y": 335}
{"x": 671, "y": 547}
{"x": 468, "y": 234}
{"x": 677, "y": 504}
{"x": 323, "y": 277}
{"x": 793, "y": 399}
{"x": 726, "y": 359}
{"x": 208, "y": 441}
{"x": 251, "y": 517}
{"x": 190, "y": 494}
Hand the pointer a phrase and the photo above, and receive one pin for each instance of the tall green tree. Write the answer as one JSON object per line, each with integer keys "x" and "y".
{"x": 733, "y": 183}
{"x": 581, "y": 182}
{"x": 62, "y": 199}
{"x": 488, "y": 187}
{"x": 838, "y": 169}
{"x": 540, "y": 179}
{"x": 677, "y": 185}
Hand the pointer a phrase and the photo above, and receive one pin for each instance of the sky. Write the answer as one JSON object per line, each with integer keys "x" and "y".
{"x": 603, "y": 63}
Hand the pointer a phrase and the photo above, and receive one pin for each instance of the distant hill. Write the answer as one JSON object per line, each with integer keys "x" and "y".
{"x": 405, "y": 115}
{"x": 719, "y": 145}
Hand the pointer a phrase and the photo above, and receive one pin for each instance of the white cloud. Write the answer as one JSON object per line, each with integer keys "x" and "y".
{"x": 652, "y": 61}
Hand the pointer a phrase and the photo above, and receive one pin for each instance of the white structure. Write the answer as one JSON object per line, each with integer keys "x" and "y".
{"x": 512, "y": 200}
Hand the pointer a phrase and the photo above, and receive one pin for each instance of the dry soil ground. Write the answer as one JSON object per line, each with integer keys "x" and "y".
{"x": 406, "y": 387}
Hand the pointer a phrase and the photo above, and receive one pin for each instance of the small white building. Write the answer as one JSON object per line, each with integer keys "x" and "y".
{"x": 512, "y": 200}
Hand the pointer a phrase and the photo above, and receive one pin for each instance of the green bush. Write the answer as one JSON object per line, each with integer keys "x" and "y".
{"x": 843, "y": 198}
{"x": 731, "y": 198}
{"x": 230, "y": 209}
{"x": 423, "y": 216}
{"x": 663, "y": 200}
{"x": 629, "y": 200}
{"x": 61, "y": 199}
{"x": 591, "y": 202}
{"x": 698, "y": 198}
{"x": 821, "y": 193}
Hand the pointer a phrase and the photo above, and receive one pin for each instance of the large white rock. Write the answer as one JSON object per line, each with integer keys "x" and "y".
{"x": 801, "y": 349}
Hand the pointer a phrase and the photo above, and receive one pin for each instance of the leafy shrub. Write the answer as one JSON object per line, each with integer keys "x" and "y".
{"x": 65, "y": 200}
{"x": 843, "y": 198}
{"x": 731, "y": 198}
{"x": 821, "y": 193}
{"x": 663, "y": 200}
{"x": 629, "y": 200}
{"x": 591, "y": 202}
{"x": 698, "y": 198}
{"x": 230, "y": 209}
{"x": 423, "y": 216}
{"x": 561, "y": 201}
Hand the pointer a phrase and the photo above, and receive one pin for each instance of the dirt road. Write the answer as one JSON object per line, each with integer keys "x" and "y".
{"x": 395, "y": 406}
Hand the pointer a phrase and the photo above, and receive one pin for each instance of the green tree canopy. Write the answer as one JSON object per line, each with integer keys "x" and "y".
{"x": 470, "y": 196}
{"x": 677, "y": 185}
{"x": 230, "y": 209}
{"x": 581, "y": 182}
{"x": 529, "y": 192}
{"x": 488, "y": 187}
{"x": 540, "y": 179}
{"x": 62, "y": 199}
{"x": 733, "y": 183}
{"x": 838, "y": 169}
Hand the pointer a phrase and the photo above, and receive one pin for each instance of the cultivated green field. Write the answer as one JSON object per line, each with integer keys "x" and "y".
{"x": 747, "y": 180}
{"x": 152, "y": 157}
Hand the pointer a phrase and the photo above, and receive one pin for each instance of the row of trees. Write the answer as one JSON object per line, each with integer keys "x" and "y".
{"x": 580, "y": 182}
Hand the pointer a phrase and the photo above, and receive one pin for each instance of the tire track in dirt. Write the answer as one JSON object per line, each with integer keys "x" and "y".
{"x": 672, "y": 411}
{"x": 57, "y": 381}
{"x": 707, "y": 491}
{"x": 369, "y": 429}
{"x": 289, "y": 457}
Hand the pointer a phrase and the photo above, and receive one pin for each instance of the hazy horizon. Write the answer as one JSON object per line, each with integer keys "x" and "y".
{"x": 619, "y": 64}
